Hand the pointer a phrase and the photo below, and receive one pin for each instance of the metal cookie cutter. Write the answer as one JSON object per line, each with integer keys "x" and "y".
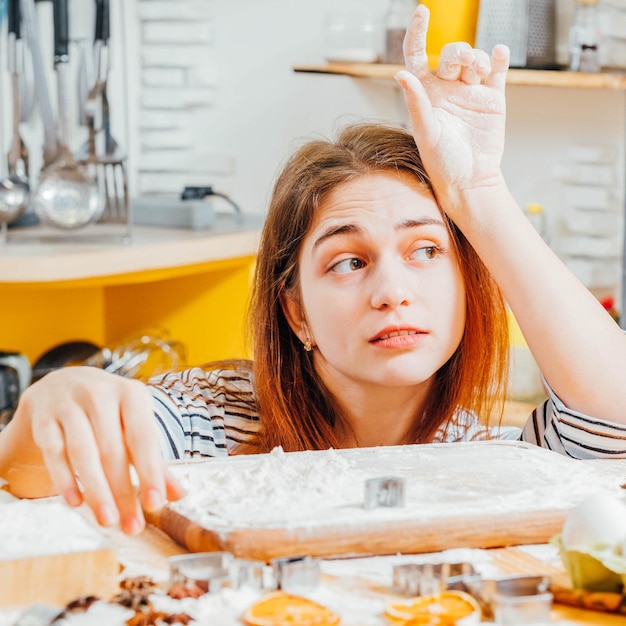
{"x": 421, "y": 579}
{"x": 386, "y": 491}
{"x": 253, "y": 575}
{"x": 210, "y": 571}
{"x": 296, "y": 574}
{"x": 516, "y": 600}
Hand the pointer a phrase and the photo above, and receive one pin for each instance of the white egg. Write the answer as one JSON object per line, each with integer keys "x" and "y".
{"x": 598, "y": 521}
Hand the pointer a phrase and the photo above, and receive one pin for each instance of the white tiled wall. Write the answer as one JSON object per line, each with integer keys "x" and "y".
{"x": 178, "y": 81}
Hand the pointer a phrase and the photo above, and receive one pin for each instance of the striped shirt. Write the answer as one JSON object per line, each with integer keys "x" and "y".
{"x": 208, "y": 413}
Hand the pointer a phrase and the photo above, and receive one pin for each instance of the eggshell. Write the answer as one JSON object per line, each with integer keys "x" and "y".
{"x": 598, "y": 521}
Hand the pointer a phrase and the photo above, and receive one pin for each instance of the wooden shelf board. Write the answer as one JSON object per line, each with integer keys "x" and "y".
{"x": 540, "y": 78}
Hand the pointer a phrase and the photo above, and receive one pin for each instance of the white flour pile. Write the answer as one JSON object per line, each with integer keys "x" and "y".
{"x": 30, "y": 528}
{"x": 327, "y": 487}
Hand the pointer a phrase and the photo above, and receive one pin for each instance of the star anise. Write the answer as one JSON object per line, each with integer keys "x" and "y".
{"x": 138, "y": 583}
{"x": 135, "y": 593}
{"x": 178, "y": 591}
{"x": 157, "y": 618}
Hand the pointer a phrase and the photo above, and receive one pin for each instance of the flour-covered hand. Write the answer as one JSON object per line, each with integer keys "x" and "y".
{"x": 458, "y": 114}
{"x": 82, "y": 430}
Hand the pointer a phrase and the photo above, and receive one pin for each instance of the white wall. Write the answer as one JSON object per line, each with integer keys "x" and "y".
{"x": 259, "y": 106}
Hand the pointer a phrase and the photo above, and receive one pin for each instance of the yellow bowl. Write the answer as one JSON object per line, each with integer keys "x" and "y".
{"x": 586, "y": 571}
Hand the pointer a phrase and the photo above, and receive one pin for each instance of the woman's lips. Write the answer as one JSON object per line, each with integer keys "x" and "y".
{"x": 398, "y": 338}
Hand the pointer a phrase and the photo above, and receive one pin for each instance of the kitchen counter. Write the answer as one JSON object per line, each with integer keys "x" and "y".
{"x": 148, "y": 553}
{"x": 269, "y": 499}
{"x": 91, "y": 286}
{"x": 44, "y": 255}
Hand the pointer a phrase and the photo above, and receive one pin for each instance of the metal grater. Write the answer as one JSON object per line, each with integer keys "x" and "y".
{"x": 527, "y": 27}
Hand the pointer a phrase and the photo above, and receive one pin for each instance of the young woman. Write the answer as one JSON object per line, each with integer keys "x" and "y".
{"x": 377, "y": 317}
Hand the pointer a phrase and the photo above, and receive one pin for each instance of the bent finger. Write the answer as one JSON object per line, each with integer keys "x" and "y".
{"x": 454, "y": 58}
{"x": 49, "y": 438}
{"x": 84, "y": 457}
{"x": 107, "y": 420}
{"x": 143, "y": 447}
{"x": 474, "y": 73}
{"x": 499, "y": 67}
{"x": 117, "y": 470}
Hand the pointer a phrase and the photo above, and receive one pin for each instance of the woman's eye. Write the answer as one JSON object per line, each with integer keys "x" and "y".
{"x": 426, "y": 253}
{"x": 348, "y": 265}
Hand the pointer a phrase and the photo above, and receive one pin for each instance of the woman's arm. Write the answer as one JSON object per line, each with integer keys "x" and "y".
{"x": 458, "y": 119}
{"x": 76, "y": 433}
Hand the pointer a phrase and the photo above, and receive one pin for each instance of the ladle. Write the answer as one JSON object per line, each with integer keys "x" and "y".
{"x": 67, "y": 197}
{"x": 15, "y": 188}
{"x": 32, "y": 37}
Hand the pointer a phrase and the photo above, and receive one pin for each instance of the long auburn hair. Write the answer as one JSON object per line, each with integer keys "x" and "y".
{"x": 297, "y": 410}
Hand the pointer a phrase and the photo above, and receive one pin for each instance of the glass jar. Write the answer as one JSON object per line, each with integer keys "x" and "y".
{"x": 396, "y": 22}
{"x": 584, "y": 37}
{"x": 351, "y": 36}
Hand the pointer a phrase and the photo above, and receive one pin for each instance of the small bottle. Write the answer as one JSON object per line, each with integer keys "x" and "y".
{"x": 537, "y": 217}
{"x": 584, "y": 37}
{"x": 396, "y": 22}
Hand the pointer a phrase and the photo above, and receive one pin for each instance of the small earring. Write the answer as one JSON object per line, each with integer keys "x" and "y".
{"x": 307, "y": 345}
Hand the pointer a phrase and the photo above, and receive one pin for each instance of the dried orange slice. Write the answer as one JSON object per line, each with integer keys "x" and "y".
{"x": 283, "y": 609}
{"x": 448, "y": 608}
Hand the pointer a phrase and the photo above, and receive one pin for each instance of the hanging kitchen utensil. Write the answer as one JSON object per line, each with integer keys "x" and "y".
{"x": 112, "y": 149}
{"x": 32, "y": 37}
{"x": 27, "y": 84}
{"x": 101, "y": 147}
{"x": 84, "y": 78}
{"x": 15, "y": 188}
{"x": 67, "y": 197}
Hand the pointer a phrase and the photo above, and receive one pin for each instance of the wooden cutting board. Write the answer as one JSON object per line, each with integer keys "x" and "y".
{"x": 479, "y": 494}
{"x": 58, "y": 579}
{"x": 50, "y": 553}
{"x": 410, "y": 536}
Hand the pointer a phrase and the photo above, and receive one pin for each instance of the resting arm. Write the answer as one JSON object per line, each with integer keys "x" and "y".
{"x": 458, "y": 118}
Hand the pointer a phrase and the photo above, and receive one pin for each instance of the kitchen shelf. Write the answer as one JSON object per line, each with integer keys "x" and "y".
{"x": 539, "y": 78}
{"x": 35, "y": 257}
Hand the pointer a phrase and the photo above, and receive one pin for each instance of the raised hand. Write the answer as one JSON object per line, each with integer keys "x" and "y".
{"x": 458, "y": 114}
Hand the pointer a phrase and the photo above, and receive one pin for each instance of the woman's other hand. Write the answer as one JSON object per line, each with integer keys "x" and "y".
{"x": 458, "y": 114}
{"x": 76, "y": 433}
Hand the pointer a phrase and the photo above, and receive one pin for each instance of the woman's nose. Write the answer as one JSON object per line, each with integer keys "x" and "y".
{"x": 390, "y": 285}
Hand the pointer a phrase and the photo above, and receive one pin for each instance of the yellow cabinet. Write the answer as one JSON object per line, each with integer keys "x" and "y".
{"x": 193, "y": 285}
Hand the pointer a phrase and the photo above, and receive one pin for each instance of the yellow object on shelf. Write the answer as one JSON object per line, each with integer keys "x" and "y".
{"x": 450, "y": 20}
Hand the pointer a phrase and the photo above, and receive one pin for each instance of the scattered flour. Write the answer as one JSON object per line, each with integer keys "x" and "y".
{"x": 30, "y": 528}
{"x": 316, "y": 488}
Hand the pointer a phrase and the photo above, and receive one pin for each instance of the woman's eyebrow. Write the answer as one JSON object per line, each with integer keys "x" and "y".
{"x": 425, "y": 221}
{"x": 341, "y": 229}
{"x": 354, "y": 229}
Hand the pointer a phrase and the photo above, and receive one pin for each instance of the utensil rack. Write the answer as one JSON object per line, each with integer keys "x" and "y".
{"x": 99, "y": 157}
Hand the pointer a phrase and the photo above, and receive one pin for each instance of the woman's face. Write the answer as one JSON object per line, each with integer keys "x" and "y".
{"x": 382, "y": 296}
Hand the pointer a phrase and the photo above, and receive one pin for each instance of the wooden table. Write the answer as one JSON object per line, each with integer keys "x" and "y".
{"x": 148, "y": 554}
{"x": 152, "y": 548}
